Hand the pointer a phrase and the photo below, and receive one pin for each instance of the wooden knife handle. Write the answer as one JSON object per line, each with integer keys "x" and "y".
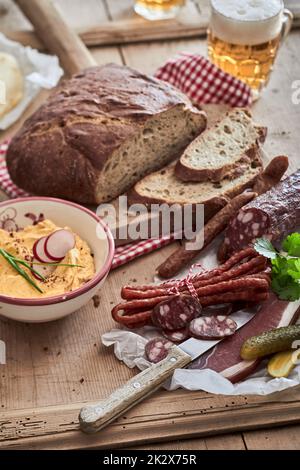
{"x": 57, "y": 36}
{"x": 95, "y": 417}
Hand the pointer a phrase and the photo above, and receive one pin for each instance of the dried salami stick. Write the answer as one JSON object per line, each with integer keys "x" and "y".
{"x": 274, "y": 214}
{"x": 254, "y": 265}
{"x": 241, "y": 289}
{"x": 234, "y": 260}
{"x": 183, "y": 256}
{"x": 229, "y": 297}
{"x": 138, "y": 319}
{"x": 267, "y": 180}
{"x": 271, "y": 175}
{"x": 135, "y": 319}
{"x": 234, "y": 285}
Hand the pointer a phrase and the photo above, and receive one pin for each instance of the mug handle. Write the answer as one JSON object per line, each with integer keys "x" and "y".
{"x": 286, "y": 24}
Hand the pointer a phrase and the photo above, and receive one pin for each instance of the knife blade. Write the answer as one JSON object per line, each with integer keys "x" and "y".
{"x": 95, "y": 417}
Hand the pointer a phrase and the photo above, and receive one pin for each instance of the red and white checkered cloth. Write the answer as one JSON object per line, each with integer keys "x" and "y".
{"x": 204, "y": 83}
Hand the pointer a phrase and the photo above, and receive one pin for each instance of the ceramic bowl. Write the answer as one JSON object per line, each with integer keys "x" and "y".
{"x": 16, "y": 214}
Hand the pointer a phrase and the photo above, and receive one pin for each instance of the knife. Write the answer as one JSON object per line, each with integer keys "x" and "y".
{"x": 92, "y": 418}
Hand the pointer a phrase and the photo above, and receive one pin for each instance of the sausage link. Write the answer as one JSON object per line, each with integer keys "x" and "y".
{"x": 271, "y": 175}
{"x": 137, "y": 304}
{"x": 262, "y": 275}
{"x": 222, "y": 253}
{"x": 234, "y": 260}
{"x": 259, "y": 263}
{"x": 233, "y": 286}
{"x": 256, "y": 264}
{"x": 134, "y": 320}
{"x": 230, "y": 297}
{"x": 185, "y": 254}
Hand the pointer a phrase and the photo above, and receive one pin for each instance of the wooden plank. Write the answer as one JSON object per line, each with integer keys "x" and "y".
{"x": 158, "y": 419}
{"x": 81, "y": 14}
{"x": 94, "y": 30}
{"x": 127, "y": 27}
{"x": 285, "y": 438}
{"x": 224, "y": 442}
{"x": 157, "y": 54}
{"x": 123, "y": 32}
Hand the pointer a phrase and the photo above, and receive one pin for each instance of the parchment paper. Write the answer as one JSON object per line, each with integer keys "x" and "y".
{"x": 39, "y": 71}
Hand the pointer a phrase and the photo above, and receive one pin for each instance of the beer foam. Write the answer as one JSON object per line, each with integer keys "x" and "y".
{"x": 247, "y": 22}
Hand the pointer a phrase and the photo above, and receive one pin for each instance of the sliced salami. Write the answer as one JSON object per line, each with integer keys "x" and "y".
{"x": 213, "y": 327}
{"x": 177, "y": 336}
{"x": 274, "y": 215}
{"x": 176, "y": 312}
{"x": 157, "y": 349}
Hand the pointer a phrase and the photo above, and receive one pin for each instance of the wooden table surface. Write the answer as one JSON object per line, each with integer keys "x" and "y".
{"x": 275, "y": 108}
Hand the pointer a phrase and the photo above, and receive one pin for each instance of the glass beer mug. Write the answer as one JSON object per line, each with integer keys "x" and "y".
{"x": 158, "y": 9}
{"x": 244, "y": 37}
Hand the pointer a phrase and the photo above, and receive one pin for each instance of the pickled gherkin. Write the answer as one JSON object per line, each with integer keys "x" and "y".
{"x": 282, "y": 363}
{"x": 270, "y": 342}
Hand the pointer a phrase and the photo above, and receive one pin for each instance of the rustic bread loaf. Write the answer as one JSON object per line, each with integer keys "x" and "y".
{"x": 99, "y": 133}
{"x": 220, "y": 150}
{"x": 163, "y": 186}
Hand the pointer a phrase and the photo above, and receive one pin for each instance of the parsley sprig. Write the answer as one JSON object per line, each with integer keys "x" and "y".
{"x": 285, "y": 265}
{"x": 16, "y": 263}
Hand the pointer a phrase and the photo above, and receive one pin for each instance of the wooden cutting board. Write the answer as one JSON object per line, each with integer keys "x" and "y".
{"x": 52, "y": 369}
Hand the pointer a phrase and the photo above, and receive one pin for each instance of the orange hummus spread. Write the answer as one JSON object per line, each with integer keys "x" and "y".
{"x": 62, "y": 280}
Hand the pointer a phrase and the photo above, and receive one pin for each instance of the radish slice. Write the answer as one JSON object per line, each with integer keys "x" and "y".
{"x": 58, "y": 244}
{"x": 39, "y": 251}
{"x": 45, "y": 270}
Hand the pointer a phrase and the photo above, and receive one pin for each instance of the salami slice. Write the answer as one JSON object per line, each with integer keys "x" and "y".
{"x": 157, "y": 349}
{"x": 177, "y": 336}
{"x": 176, "y": 312}
{"x": 274, "y": 215}
{"x": 212, "y": 328}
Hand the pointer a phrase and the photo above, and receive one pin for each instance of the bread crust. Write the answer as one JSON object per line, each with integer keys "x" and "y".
{"x": 63, "y": 147}
{"x": 212, "y": 205}
{"x": 186, "y": 173}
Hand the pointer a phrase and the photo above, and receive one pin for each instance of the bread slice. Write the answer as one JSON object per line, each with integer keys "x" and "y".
{"x": 164, "y": 187}
{"x": 220, "y": 150}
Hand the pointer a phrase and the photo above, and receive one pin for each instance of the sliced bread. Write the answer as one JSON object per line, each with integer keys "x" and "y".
{"x": 220, "y": 150}
{"x": 100, "y": 132}
{"x": 164, "y": 187}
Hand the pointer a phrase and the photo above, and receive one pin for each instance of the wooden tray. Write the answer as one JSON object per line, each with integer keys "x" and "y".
{"x": 52, "y": 369}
